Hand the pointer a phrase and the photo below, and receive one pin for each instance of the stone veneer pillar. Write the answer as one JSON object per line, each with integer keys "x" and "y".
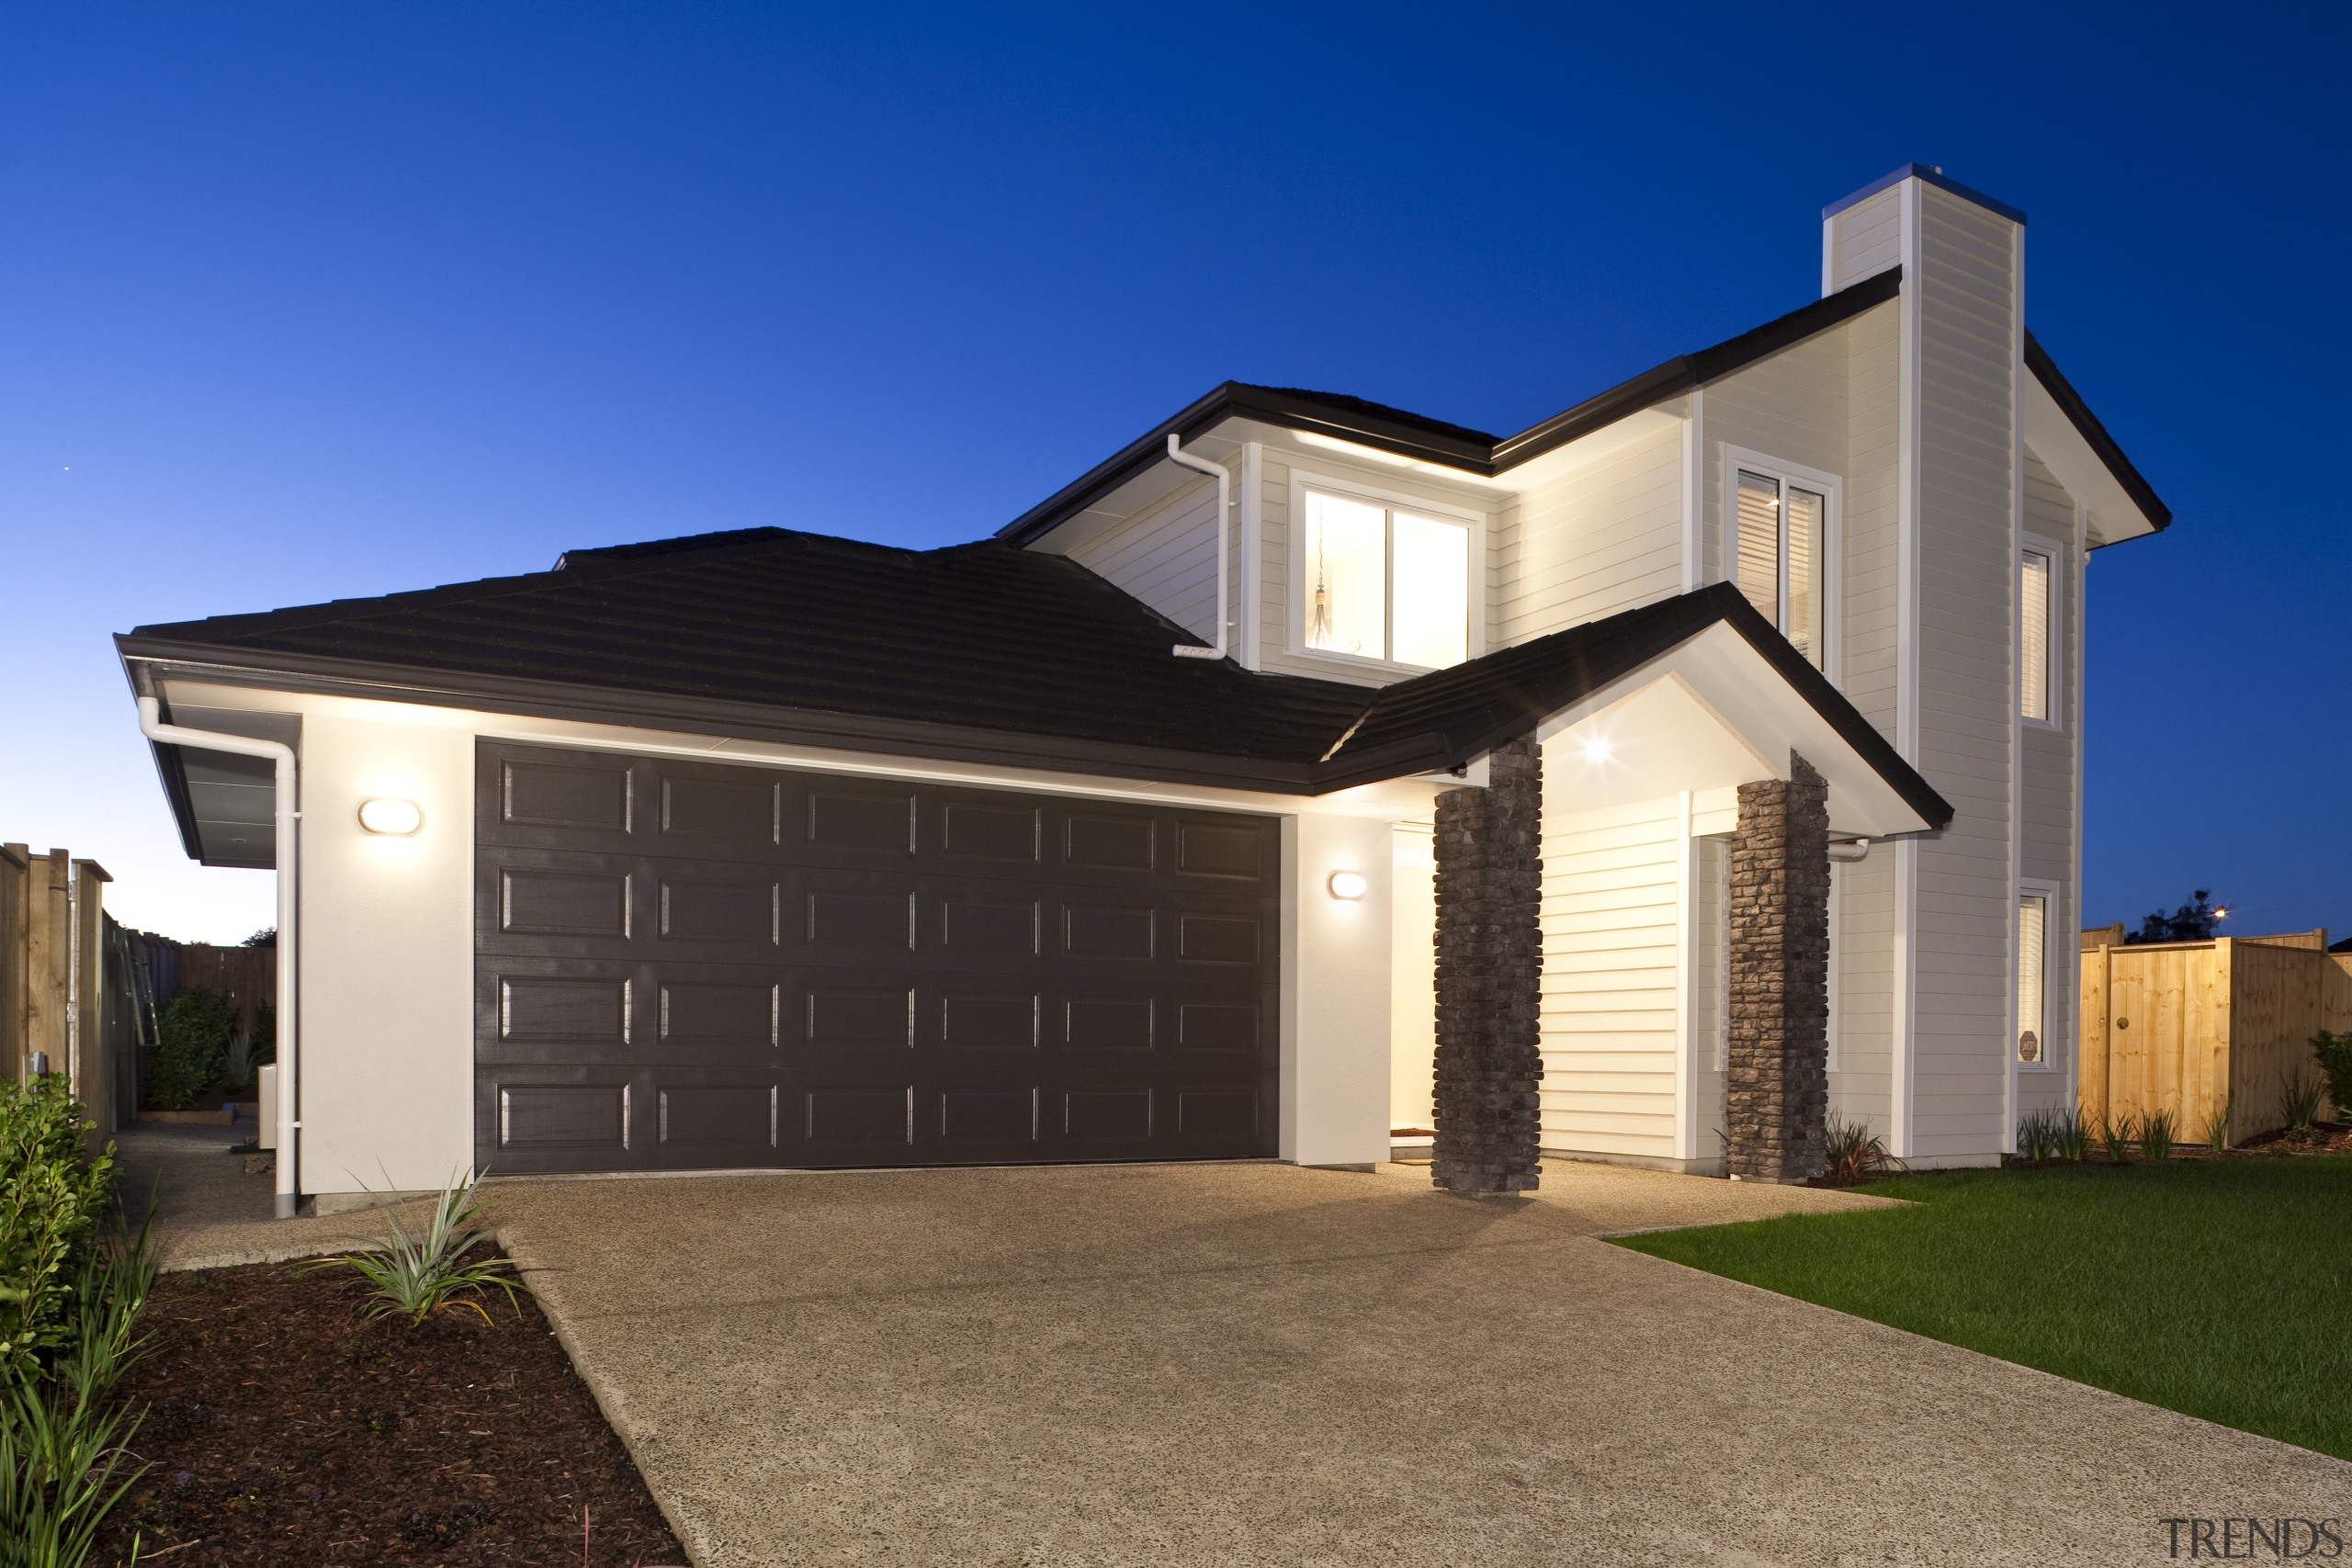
{"x": 1489, "y": 968}
{"x": 1777, "y": 1092}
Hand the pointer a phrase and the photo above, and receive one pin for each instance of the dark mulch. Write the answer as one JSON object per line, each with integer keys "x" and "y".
{"x": 284, "y": 1427}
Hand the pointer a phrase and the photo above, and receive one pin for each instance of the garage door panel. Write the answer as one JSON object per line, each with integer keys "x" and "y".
{"x": 692, "y": 964}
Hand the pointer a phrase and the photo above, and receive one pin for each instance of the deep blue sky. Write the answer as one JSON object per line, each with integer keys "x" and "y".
{"x": 305, "y": 301}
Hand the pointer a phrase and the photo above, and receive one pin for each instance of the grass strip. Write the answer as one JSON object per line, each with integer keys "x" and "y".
{"x": 2220, "y": 1289}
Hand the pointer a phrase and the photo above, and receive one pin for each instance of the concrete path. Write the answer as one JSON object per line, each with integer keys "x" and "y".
{"x": 209, "y": 1213}
{"x": 1255, "y": 1364}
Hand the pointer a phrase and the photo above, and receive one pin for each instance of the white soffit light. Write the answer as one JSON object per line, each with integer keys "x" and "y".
{"x": 1349, "y": 885}
{"x": 1598, "y": 749}
{"x": 397, "y": 818}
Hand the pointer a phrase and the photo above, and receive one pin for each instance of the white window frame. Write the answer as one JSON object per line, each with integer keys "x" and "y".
{"x": 2055, "y": 1012}
{"x": 1295, "y": 610}
{"x": 2054, "y": 665}
{"x": 1832, "y": 489}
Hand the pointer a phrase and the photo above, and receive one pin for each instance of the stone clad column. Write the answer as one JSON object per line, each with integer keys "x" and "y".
{"x": 1777, "y": 1093}
{"x": 1489, "y": 968}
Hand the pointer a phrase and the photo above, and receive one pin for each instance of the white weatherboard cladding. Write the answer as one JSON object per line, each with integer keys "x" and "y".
{"x": 1165, "y": 557}
{"x": 1789, "y": 408}
{"x": 1710, "y": 993}
{"x": 1968, "y": 293}
{"x": 1610, "y": 912}
{"x": 1601, "y": 539}
{"x": 1872, "y": 468}
{"x": 1862, "y": 1084}
{"x": 2047, "y": 847}
{"x": 1864, "y": 240}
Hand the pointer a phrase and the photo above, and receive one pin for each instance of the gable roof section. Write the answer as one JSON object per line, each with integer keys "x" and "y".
{"x": 1433, "y": 441}
{"x": 2095, "y": 434}
{"x": 977, "y": 652}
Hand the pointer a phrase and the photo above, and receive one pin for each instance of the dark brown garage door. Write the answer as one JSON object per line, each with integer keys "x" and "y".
{"x": 680, "y": 964}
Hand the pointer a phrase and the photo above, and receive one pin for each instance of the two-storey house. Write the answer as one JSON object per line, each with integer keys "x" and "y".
{"x": 1197, "y": 813}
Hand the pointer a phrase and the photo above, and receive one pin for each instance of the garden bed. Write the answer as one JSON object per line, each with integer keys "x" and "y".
{"x": 284, "y": 1427}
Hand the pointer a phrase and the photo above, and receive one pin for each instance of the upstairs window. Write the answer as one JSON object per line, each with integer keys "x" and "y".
{"x": 1385, "y": 582}
{"x": 1780, "y": 544}
{"x": 2034, "y": 583}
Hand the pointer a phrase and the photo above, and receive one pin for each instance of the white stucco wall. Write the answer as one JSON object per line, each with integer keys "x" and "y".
{"x": 1336, "y": 957}
{"x": 386, "y": 958}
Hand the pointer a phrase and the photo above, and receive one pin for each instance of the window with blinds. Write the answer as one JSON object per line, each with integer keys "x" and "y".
{"x": 2033, "y": 660}
{"x": 1781, "y": 538}
{"x": 2033, "y": 952}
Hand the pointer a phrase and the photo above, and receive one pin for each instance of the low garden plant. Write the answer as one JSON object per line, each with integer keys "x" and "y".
{"x": 2156, "y": 1130}
{"x": 71, "y": 1295}
{"x": 2116, "y": 1136}
{"x": 2217, "y": 1127}
{"x": 1857, "y": 1154}
{"x": 2073, "y": 1135}
{"x": 2299, "y": 1100}
{"x": 2037, "y": 1136}
{"x": 416, "y": 1273}
{"x": 2334, "y": 1054}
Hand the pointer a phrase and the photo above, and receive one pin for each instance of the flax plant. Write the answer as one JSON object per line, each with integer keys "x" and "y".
{"x": 2116, "y": 1135}
{"x": 2156, "y": 1130}
{"x": 2074, "y": 1135}
{"x": 416, "y": 1273}
{"x": 2299, "y": 1100}
{"x": 2217, "y": 1127}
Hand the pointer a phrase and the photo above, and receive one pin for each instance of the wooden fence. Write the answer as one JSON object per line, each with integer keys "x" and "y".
{"x": 53, "y": 970}
{"x": 2192, "y": 1027}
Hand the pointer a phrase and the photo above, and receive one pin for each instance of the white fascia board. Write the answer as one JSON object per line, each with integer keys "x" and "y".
{"x": 1756, "y": 705}
{"x": 1391, "y": 800}
{"x": 2114, "y": 516}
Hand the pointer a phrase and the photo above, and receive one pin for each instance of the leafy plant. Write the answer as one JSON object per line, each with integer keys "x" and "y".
{"x": 2334, "y": 1053}
{"x": 2156, "y": 1130}
{"x": 2217, "y": 1126}
{"x": 416, "y": 1273}
{"x": 2299, "y": 1095}
{"x": 2116, "y": 1136}
{"x": 51, "y": 1201}
{"x": 1857, "y": 1154}
{"x": 190, "y": 1036}
{"x": 2073, "y": 1135}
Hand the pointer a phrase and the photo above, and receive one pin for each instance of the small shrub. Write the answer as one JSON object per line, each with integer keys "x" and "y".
{"x": 2074, "y": 1135}
{"x": 52, "y": 1200}
{"x": 1857, "y": 1154}
{"x": 2299, "y": 1098}
{"x": 241, "y": 1063}
{"x": 2116, "y": 1136}
{"x": 2217, "y": 1127}
{"x": 189, "y": 1038}
{"x": 2157, "y": 1131}
{"x": 2334, "y": 1053}
{"x": 416, "y": 1274}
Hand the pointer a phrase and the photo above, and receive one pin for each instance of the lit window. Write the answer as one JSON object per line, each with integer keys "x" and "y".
{"x": 1782, "y": 536}
{"x": 2033, "y": 1022}
{"x": 2033, "y": 663}
{"x": 1381, "y": 584}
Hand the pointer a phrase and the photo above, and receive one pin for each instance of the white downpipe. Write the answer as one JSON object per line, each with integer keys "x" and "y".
{"x": 1846, "y": 851}
{"x": 1177, "y": 455}
{"x": 151, "y": 724}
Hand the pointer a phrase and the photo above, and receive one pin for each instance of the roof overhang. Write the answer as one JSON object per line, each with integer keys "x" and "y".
{"x": 2117, "y": 498}
{"x": 1710, "y": 713}
{"x": 1443, "y": 449}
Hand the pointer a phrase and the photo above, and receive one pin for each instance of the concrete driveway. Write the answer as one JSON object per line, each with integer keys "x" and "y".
{"x": 1257, "y": 1364}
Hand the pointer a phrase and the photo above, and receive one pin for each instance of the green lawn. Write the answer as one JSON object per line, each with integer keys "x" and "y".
{"x": 2221, "y": 1289}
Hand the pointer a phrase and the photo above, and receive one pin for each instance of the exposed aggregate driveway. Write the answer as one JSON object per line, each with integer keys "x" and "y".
{"x": 1242, "y": 1364}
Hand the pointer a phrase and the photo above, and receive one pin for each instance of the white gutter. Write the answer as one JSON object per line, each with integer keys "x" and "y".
{"x": 1181, "y": 459}
{"x": 151, "y": 724}
{"x": 1848, "y": 851}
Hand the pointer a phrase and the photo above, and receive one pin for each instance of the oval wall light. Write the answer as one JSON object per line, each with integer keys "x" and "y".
{"x": 1349, "y": 885}
{"x": 395, "y": 817}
